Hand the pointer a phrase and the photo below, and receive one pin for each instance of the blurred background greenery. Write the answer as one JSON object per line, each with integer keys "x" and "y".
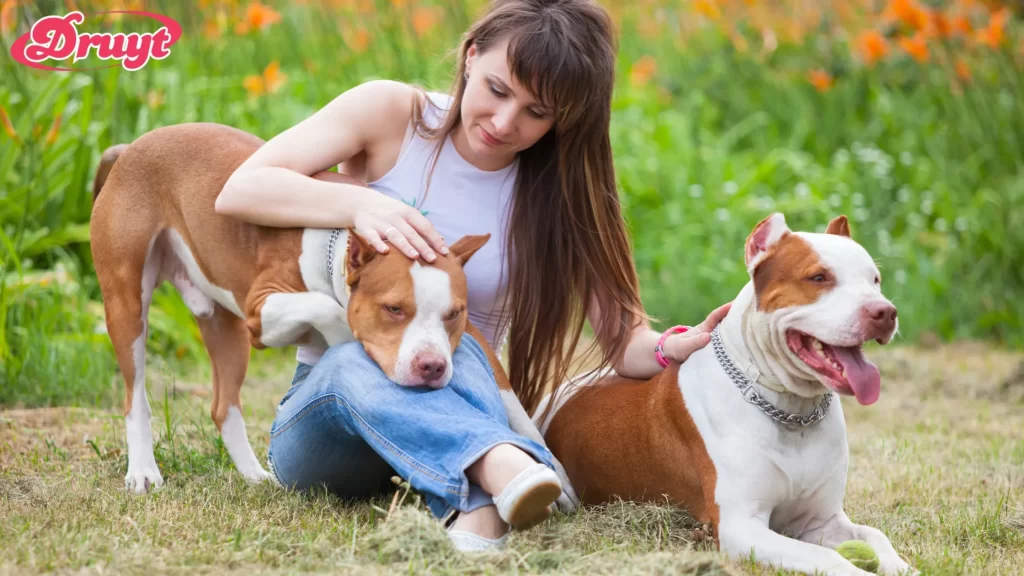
{"x": 906, "y": 115}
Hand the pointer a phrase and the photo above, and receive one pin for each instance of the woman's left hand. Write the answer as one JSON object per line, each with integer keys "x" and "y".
{"x": 678, "y": 347}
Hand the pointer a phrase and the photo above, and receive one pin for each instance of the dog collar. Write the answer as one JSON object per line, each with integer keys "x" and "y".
{"x": 750, "y": 393}
{"x": 748, "y": 368}
{"x": 330, "y": 262}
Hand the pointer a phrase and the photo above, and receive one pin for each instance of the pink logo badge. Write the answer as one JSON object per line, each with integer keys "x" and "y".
{"x": 58, "y": 38}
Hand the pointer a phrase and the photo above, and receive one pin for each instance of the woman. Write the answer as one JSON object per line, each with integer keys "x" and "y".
{"x": 520, "y": 150}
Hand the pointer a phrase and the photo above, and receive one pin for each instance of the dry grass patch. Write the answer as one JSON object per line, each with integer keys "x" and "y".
{"x": 937, "y": 464}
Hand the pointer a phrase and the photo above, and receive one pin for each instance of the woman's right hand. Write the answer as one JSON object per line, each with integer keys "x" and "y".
{"x": 380, "y": 218}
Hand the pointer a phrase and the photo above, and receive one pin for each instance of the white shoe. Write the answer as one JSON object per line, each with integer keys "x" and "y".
{"x": 468, "y": 542}
{"x": 528, "y": 498}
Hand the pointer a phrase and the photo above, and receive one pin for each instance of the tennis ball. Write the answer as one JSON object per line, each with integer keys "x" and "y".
{"x": 860, "y": 554}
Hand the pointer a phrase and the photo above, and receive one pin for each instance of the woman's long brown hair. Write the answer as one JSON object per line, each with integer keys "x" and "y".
{"x": 567, "y": 238}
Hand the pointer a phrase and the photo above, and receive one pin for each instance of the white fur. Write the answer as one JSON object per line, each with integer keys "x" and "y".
{"x": 792, "y": 482}
{"x": 223, "y": 297}
{"x": 232, "y": 431}
{"x": 287, "y": 316}
{"x": 426, "y": 331}
{"x": 835, "y": 318}
{"x": 313, "y": 262}
{"x": 143, "y": 472}
{"x": 772, "y": 481}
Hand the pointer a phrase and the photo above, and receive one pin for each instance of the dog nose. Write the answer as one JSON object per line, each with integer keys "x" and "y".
{"x": 430, "y": 367}
{"x": 879, "y": 320}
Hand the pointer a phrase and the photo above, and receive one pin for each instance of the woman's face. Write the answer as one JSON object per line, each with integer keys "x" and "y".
{"x": 499, "y": 116}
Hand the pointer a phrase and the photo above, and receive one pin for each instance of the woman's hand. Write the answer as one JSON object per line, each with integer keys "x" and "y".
{"x": 379, "y": 218}
{"x": 678, "y": 347}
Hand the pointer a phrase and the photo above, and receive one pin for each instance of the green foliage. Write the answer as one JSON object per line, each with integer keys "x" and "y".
{"x": 929, "y": 173}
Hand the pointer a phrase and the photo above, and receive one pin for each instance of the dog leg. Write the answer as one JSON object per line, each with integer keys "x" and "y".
{"x": 520, "y": 423}
{"x": 839, "y": 529}
{"x": 741, "y": 537}
{"x": 227, "y": 342}
{"x": 126, "y": 300}
{"x": 279, "y": 319}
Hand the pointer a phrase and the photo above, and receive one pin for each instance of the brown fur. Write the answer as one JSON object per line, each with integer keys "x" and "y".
{"x": 635, "y": 439}
{"x": 785, "y": 277}
{"x": 169, "y": 179}
{"x": 839, "y": 226}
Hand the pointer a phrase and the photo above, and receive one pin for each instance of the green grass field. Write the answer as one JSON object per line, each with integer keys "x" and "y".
{"x": 908, "y": 117}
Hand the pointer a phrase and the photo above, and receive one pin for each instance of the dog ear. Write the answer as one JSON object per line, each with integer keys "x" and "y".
{"x": 467, "y": 246}
{"x": 765, "y": 235}
{"x": 359, "y": 254}
{"x": 839, "y": 226}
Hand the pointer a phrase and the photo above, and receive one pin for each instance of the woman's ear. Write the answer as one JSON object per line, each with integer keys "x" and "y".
{"x": 470, "y": 57}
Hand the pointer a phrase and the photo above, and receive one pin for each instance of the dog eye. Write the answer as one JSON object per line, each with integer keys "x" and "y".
{"x": 393, "y": 309}
{"x": 878, "y": 280}
{"x": 452, "y": 315}
{"x": 818, "y": 278}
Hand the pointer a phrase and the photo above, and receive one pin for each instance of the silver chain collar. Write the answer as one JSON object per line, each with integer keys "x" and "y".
{"x": 330, "y": 255}
{"x": 750, "y": 393}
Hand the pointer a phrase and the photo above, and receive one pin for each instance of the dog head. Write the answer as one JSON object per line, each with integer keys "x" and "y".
{"x": 409, "y": 315}
{"x": 817, "y": 300}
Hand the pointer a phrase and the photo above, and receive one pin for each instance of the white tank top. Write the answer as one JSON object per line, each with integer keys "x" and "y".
{"x": 462, "y": 199}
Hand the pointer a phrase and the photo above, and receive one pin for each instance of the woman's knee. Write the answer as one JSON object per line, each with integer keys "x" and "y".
{"x": 345, "y": 369}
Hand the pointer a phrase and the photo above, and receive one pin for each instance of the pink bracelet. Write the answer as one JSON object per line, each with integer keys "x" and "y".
{"x": 659, "y": 352}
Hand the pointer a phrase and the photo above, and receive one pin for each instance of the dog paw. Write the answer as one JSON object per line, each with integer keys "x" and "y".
{"x": 143, "y": 480}
{"x": 256, "y": 476}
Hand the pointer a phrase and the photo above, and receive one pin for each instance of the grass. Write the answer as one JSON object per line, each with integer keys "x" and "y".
{"x": 936, "y": 464}
{"x": 708, "y": 137}
{"x": 710, "y": 130}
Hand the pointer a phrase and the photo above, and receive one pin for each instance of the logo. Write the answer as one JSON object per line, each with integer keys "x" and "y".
{"x": 58, "y": 38}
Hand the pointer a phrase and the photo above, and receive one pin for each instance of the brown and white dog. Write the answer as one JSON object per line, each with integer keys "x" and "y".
{"x": 746, "y": 434}
{"x": 153, "y": 220}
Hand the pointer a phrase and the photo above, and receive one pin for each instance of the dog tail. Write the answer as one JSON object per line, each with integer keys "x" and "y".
{"x": 107, "y": 160}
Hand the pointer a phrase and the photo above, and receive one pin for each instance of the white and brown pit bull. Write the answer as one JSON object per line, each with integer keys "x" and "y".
{"x": 153, "y": 220}
{"x": 746, "y": 434}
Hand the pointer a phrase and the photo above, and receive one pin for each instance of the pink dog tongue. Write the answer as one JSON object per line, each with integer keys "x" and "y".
{"x": 862, "y": 374}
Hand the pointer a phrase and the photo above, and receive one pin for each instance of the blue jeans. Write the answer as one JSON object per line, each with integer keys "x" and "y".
{"x": 344, "y": 425}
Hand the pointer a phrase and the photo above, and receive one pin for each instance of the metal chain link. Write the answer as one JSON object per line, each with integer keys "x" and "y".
{"x": 750, "y": 393}
{"x": 330, "y": 254}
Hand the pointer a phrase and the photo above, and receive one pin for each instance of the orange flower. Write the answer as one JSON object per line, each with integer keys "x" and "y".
{"x": 269, "y": 82}
{"x": 257, "y": 17}
{"x": 8, "y": 127}
{"x": 916, "y": 47}
{"x": 643, "y": 70}
{"x": 8, "y": 16}
{"x": 358, "y": 40}
{"x": 820, "y": 79}
{"x": 909, "y": 12}
{"x": 423, "y": 20}
{"x": 51, "y": 134}
{"x": 961, "y": 25}
{"x": 963, "y": 71}
{"x": 993, "y": 34}
{"x": 872, "y": 46}
{"x": 708, "y": 8}
{"x": 940, "y": 25}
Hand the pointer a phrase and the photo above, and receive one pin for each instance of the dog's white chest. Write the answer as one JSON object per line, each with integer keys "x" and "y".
{"x": 759, "y": 464}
